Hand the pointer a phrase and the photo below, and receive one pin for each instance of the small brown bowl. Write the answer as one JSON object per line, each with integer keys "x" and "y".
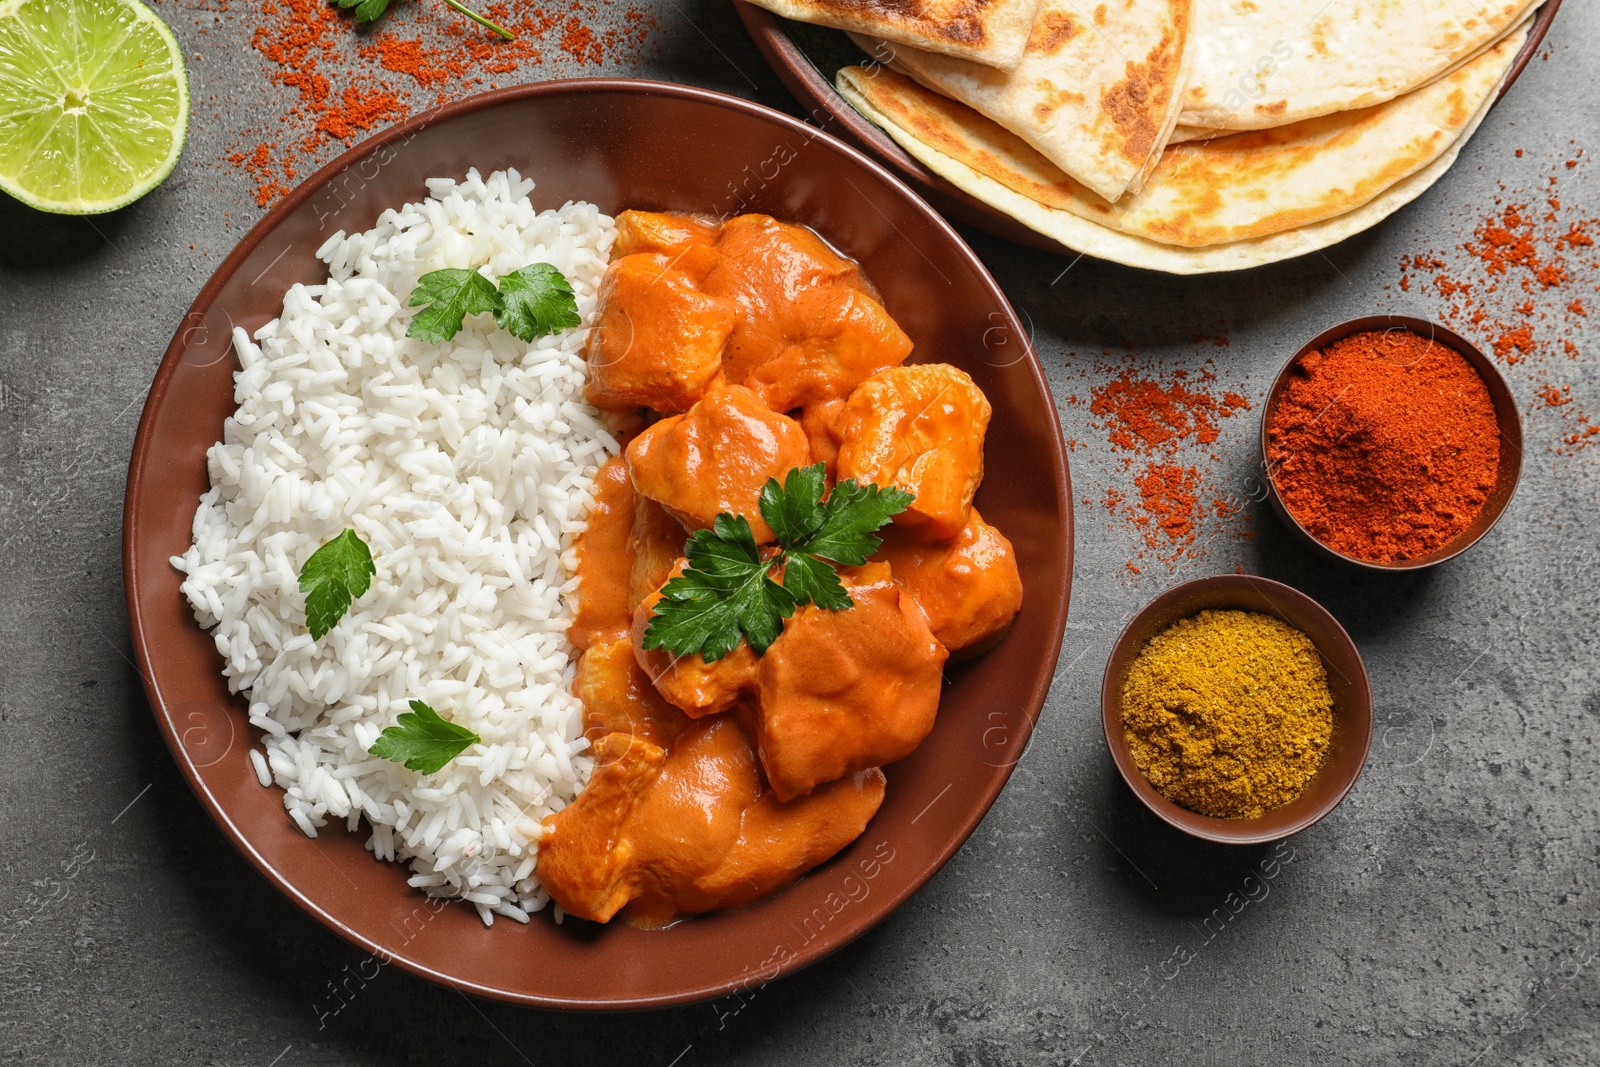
{"x": 1505, "y": 413}
{"x": 1347, "y": 680}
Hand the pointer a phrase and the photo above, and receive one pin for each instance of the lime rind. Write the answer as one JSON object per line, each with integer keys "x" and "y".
{"x": 94, "y": 103}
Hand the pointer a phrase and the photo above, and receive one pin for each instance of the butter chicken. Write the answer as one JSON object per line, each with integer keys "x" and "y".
{"x": 752, "y": 349}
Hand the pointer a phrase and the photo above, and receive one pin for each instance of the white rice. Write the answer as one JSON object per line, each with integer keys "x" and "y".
{"x": 467, "y": 467}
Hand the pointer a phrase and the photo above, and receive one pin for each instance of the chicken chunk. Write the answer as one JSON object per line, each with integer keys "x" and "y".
{"x": 698, "y": 834}
{"x": 605, "y": 560}
{"x": 820, "y": 421}
{"x": 668, "y": 232}
{"x": 808, "y": 327}
{"x": 657, "y": 340}
{"x": 969, "y": 588}
{"x": 655, "y": 543}
{"x": 689, "y": 682}
{"x": 586, "y": 861}
{"x": 687, "y": 822}
{"x": 618, "y": 698}
{"x": 792, "y": 257}
{"x": 716, "y": 457}
{"x": 920, "y": 428}
{"x": 779, "y": 841}
{"x": 822, "y": 344}
{"x": 844, "y": 690}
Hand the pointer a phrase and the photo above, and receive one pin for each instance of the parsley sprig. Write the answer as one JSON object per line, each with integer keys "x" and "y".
{"x": 532, "y": 301}
{"x": 727, "y": 591}
{"x": 423, "y": 740}
{"x": 332, "y": 578}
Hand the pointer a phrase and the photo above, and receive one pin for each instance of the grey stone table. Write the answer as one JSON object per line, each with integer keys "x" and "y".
{"x": 1447, "y": 913}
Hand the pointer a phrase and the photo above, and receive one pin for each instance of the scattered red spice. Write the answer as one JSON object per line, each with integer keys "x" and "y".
{"x": 1169, "y": 501}
{"x": 259, "y": 164}
{"x": 1554, "y": 396}
{"x": 347, "y": 82}
{"x": 1515, "y": 344}
{"x": 579, "y": 42}
{"x": 1164, "y": 425}
{"x": 1144, "y": 414}
{"x": 1508, "y": 293}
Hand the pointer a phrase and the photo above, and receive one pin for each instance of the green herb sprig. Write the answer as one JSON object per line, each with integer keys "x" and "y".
{"x": 332, "y": 578}
{"x": 369, "y": 10}
{"x": 727, "y": 592}
{"x": 530, "y": 302}
{"x": 423, "y": 740}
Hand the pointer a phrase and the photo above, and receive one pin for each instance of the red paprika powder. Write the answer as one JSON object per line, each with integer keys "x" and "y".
{"x": 1384, "y": 445}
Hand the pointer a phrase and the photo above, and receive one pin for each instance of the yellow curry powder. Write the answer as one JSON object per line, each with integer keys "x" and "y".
{"x": 1228, "y": 713}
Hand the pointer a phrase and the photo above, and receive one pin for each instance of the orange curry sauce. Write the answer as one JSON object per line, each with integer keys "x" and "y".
{"x": 757, "y": 349}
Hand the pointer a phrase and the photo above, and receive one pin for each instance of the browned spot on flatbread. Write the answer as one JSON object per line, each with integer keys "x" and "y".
{"x": 1277, "y": 108}
{"x": 1050, "y": 31}
{"x": 1100, "y": 15}
{"x": 956, "y": 21}
{"x": 1136, "y": 103}
{"x": 1052, "y": 99}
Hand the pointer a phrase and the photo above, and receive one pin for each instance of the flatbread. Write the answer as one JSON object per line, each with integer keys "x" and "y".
{"x": 985, "y": 151}
{"x": 991, "y": 32}
{"x": 1097, "y": 91}
{"x": 1183, "y": 134}
{"x": 1232, "y": 188}
{"x": 1259, "y": 64}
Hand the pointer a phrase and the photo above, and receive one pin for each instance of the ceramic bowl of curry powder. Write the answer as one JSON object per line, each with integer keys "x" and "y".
{"x": 1390, "y": 443}
{"x": 1237, "y": 709}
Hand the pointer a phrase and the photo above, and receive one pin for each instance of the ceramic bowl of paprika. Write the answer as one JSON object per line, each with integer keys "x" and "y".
{"x": 1508, "y": 422}
{"x": 1347, "y": 683}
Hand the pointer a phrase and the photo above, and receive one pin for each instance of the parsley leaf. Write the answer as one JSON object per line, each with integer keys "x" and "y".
{"x": 851, "y": 517}
{"x": 451, "y": 295}
{"x": 336, "y": 574}
{"x": 535, "y": 301}
{"x": 727, "y": 590}
{"x": 794, "y": 509}
{"x": 366, "y": 10}
{"x": 812, "y": 580}
{"x": 423, "y": 741}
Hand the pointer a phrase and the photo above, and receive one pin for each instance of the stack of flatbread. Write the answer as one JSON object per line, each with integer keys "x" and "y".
{"x": 1180, "y": 135}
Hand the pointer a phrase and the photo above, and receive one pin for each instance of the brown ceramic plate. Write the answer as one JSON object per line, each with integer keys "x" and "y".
{"x": 814, "y": 89}
{"x": 617, "y": 144}
{"x": 1347, "y": 679}
{"x": 1506, "y": 416}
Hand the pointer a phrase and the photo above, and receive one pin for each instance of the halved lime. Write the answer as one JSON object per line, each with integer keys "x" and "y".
{"x": 94, "y": 103}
